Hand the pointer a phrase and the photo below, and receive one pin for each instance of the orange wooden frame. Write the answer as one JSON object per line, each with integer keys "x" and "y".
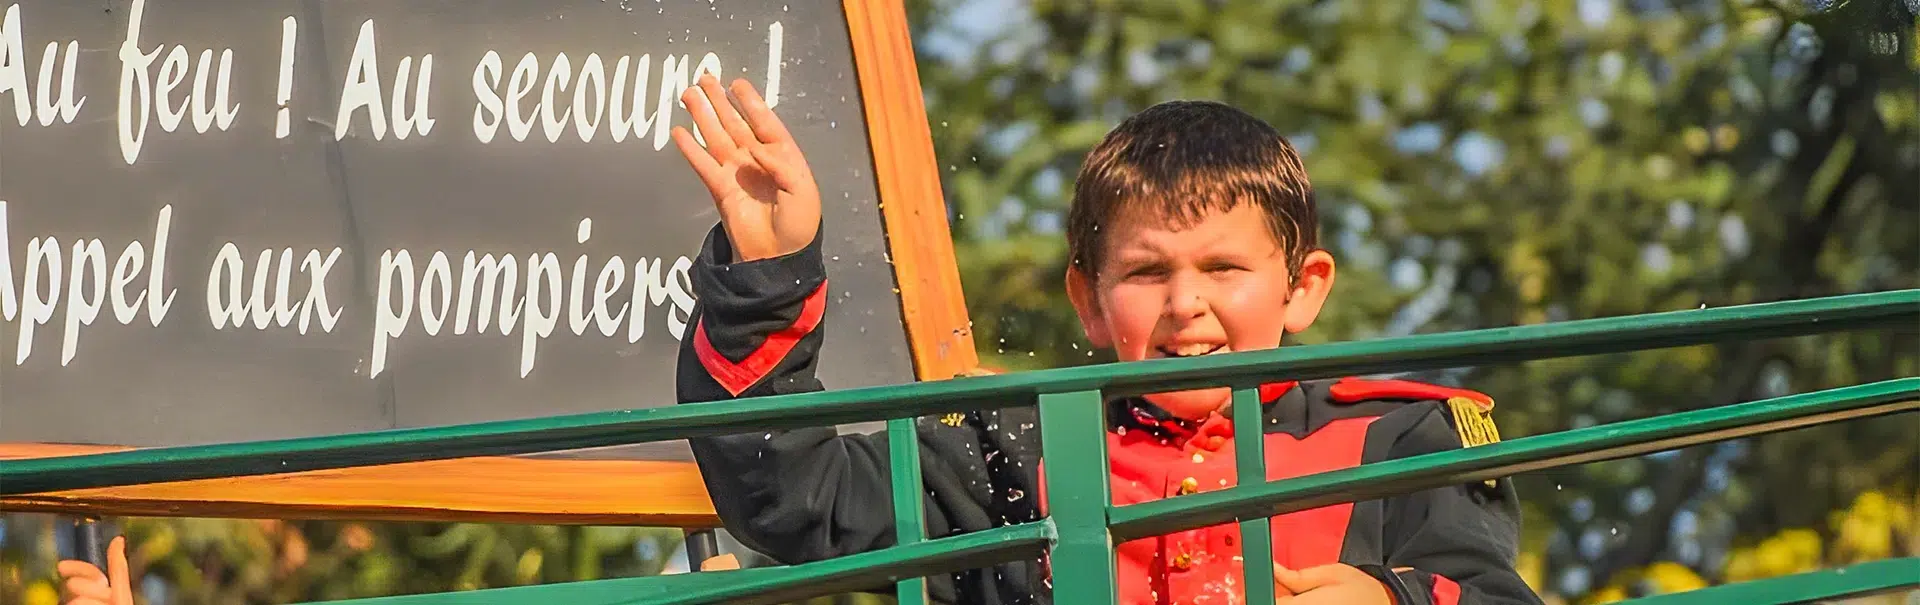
{"x": 610, "y": 492}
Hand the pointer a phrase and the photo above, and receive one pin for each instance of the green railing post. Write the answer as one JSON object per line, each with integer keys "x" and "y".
{"x": 1073, "y": 442}
{"x": 1256, "y": 533}
{"x": 909, "y": 509}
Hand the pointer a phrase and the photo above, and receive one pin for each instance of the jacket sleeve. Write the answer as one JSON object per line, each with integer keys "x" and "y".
{"x": 1461, "y": 540}
{"x": 810, "y": 494}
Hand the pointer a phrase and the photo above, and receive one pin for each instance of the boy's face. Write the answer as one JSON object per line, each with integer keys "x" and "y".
{"x": 1219, "y": 286}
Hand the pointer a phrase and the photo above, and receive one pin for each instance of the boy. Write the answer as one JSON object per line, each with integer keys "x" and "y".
{"x": 1191, "y": 232}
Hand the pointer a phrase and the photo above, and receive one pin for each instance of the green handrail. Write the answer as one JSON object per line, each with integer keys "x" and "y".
{"x": 626, "y": 427}
{"x": 1253, "y": 502}
{"x": 1506, "y": 458}
{"x": 1865, "y": 579}
{"x": 767, "y": 585}
{"x": 1083, "y": 527}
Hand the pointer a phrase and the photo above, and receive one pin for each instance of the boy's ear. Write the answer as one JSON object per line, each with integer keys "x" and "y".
{"x": 1086, "y": 303}
{"x": 1310, "y": 289}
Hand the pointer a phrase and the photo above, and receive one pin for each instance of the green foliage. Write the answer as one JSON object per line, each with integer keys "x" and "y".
{"x": 1485, "y": 163}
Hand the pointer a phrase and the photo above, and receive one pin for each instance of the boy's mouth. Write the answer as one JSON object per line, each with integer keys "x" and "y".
{"x": 1191, "y": 350}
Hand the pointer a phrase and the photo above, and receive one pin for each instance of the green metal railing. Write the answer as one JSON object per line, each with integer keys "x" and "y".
{"x": 1083, "y": 526}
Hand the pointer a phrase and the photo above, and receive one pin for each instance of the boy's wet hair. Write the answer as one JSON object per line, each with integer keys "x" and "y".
{"x": 1181, "y": 160}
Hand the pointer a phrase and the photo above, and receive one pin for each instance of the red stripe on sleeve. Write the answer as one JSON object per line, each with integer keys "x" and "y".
{"x": 1445, "y": 592}
{"x": 738, "y": 377}
{"x": 1042, "y": 487}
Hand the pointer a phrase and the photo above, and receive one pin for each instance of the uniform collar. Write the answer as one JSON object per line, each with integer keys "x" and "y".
{"x": 1136, "y": 413}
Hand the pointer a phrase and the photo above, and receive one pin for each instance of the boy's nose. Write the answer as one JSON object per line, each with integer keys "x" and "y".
{"x": 1185, "y": 301}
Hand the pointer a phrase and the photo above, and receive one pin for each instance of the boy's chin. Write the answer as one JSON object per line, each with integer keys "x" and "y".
{"x": 1192, "y": 405}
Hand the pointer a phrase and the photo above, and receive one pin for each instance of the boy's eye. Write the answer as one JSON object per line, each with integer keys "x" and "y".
{"x": 1224, "y": 267}
{"x": 1146, "y": 271}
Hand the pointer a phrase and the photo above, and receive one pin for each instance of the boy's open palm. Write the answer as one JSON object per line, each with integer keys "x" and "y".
{"x": 761, "y": 184}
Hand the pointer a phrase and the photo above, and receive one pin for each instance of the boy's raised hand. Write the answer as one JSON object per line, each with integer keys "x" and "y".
{"x": 760, "y": 181}
{"x": 86, "y": 585}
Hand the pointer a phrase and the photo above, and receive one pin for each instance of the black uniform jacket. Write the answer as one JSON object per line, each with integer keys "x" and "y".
{"x": 812, "y": 494}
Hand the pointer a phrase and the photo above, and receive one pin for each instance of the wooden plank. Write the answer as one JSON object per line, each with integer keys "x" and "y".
{"x": 493, "y": 489}
{"x": 918, "y": 236}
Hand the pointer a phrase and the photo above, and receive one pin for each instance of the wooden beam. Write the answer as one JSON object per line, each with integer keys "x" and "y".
{"x": 496, "y": 489}
{"x": 908, "y": 176}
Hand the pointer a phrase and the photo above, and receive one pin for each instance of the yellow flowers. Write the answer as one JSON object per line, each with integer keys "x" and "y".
{"x": 42, "y": 593}
{"x": 1668, "y": 577}
{"x": 1788, "y": 552}
{"x": 1875, "y": 526}
{"x": 1659, "y": 578}
{"x": 1864, "y": 531}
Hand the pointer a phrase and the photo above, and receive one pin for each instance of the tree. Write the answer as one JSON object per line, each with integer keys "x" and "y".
{"x": 1503, "y": 162}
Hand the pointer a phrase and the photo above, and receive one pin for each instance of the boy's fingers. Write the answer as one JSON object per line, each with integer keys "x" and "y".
{"x": 702, "y": 110}
{"x": 89, "y": 589}
{"x": 1299, "y": 581}
{"x": 736, "y": 128}
{"x": 79, "y": 570}
{"x": 766, "y": 125}
{"x": 703, "y": 164}
{"x": 1280, "y": 588}
{"x": 785, "y": 174}
{"x": 117, "y": 565}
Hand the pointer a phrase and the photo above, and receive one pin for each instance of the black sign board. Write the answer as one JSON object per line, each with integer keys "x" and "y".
{"x": 231, "y": 220}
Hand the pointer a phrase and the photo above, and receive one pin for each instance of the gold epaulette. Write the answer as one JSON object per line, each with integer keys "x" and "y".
{"x": 1474, "y": 421}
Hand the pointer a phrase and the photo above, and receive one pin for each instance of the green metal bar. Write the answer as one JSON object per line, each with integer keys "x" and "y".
{"x": 1580, "y": 446}
{"x": 909, "y": 510}
{"x": 1073, "y": 442}
{"x": 852, "y": 573}
{"x": 1256, "y": 534}
{"x": 1428, "y": 351}
{"x": 1865, "y": 579}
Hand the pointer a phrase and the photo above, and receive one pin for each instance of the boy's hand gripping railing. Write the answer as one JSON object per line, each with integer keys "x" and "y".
{"x": 1082, "y": 526}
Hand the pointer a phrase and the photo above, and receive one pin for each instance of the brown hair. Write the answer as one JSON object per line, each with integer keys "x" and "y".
{"x": 1182, "y": 160}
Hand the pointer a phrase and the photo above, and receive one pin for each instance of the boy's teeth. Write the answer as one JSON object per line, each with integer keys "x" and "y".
{"x": 1191, "y": 350}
